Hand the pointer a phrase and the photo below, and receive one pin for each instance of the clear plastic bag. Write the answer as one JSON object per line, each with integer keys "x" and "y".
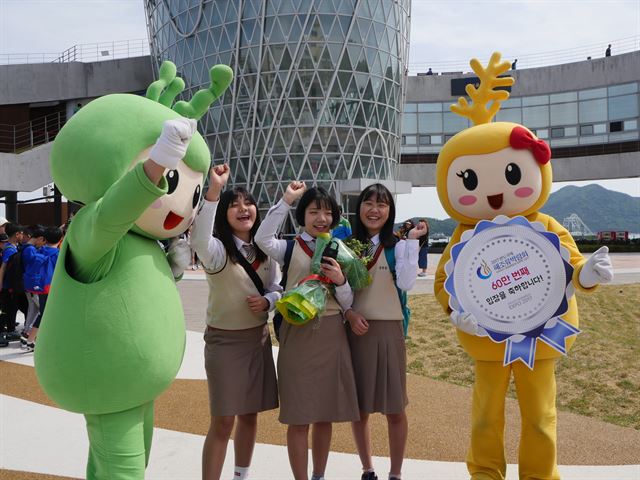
{"x": 309, "y": 299}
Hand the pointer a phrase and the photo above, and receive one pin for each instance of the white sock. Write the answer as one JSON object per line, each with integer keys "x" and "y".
{"x": 318, "y": 477}
{"x": 240, "y": 473}
{"x": 393, "y": 476}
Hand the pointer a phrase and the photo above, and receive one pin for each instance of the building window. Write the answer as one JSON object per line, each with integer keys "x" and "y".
{"x": 557, "y": 132}
{"x": 563, "y": 97}
{"x": 600, "y": 128}
{"x": 453, "y": 123}
{"x": 512, "y": 103}
{"x": 623, "y": 89}
{"x": 586, "y": 130}
{"x": 564, "y": 113}
{"x": 542, "y": 133}
{"x": 593, "y": 111}
{"x": 622, "y": 107}
{"x": 630, "y": 125}
{"x": 535, "y": 117}
{"x": 537, "y": 100}
{"x": 592, "y": 93}
{"x": 509, "y": 115}
{"x": 429, "y": 107}
{"x": 410, "y": 123}
{"x": 408, "y": 140}
{"x": 424, "y": 139}
{"x": 430, "y": 122}
{"x": 615, "y": 126}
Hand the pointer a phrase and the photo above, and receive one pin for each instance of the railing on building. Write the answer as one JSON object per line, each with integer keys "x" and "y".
{"x": 86, "y": 52}
{"x": 533, "y": 60}
{"x": 26, "y": 135}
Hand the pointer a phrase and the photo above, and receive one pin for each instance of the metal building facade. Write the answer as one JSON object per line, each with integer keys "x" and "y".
{"x": 318, "y": 88}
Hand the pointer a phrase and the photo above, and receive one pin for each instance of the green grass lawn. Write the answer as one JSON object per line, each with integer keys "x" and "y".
{"x": 599, "y": 378}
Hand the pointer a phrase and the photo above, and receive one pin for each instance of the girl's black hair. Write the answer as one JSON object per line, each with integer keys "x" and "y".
{"x": 381, "y": 194}
{"x": 222, "y": 229}
{"x": 322, "y": 198}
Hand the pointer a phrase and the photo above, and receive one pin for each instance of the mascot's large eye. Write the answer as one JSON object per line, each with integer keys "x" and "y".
{"x": 469, "y": 179}
{"x": 172, "y": 179}
{"x": 196, "y": 196}
{"x": 512, "y": 174}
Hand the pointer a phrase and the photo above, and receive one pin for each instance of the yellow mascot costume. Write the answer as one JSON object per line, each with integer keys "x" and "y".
{"x": 501, "y": 169}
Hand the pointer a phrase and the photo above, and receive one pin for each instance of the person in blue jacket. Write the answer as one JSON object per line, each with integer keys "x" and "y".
{"x": 39, "y": 265}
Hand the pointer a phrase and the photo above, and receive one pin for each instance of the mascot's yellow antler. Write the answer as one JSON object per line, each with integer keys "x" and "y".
{"x": 478, "y": 112}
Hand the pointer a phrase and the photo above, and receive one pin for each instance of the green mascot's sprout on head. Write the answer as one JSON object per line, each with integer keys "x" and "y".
{"x": 112, "y": 337}
{"x": 108, "y": 136}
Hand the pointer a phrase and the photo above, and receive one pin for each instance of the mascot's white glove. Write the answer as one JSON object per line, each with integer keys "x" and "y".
{"x": 597, "y": 269}
{"x": 464, "y": 321}
{"x": 178, "y": 256}
{"x": 171, "y": 146}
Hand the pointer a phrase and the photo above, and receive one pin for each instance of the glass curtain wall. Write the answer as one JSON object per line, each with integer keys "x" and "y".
{"x": 318, "y": 88}
{"x": 582, "y": 117}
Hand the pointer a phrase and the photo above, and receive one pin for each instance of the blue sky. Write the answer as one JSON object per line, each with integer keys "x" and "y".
{"x": 442, "y": 31}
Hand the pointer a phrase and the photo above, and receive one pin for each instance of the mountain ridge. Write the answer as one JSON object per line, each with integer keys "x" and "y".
{"x": 599, "y": 208}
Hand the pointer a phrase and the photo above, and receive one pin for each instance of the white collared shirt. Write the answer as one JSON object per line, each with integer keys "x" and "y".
{"x": 266, "y": 239}
{"x": 406, "y": 252}
{"x": 213, "y": 255}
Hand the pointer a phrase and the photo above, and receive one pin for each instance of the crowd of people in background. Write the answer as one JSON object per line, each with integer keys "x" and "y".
{"x": 29, "y": 256}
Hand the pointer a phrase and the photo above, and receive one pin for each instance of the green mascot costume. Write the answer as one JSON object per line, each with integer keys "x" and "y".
{"x": 501, "y": 169}
{"x": 113, "y": 334}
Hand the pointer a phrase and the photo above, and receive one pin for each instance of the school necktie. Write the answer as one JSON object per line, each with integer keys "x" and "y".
{"x": 371, "y": 248}
{"x": 250, "y": 252}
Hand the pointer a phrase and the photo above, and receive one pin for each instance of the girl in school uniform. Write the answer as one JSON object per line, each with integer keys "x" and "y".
{"x": 315, "y": 375}
{"x": 376, "y": 336}
{"x": 238, "y": 358}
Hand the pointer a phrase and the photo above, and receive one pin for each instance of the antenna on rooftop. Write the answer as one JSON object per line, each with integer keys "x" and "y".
{"x": 576, "y": 226}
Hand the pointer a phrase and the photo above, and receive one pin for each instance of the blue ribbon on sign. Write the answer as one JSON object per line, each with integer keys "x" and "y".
{"x": 524, "y": 350}
{"x": 557, "y": 335}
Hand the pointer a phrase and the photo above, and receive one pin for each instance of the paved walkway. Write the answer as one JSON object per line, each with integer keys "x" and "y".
{"x": 34, "y": 425}
{"x": 39, "y": 441}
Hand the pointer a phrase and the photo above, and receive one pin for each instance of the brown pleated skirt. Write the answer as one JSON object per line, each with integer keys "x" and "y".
{"x": 380, "y": 366}
{"x": 240, "y": 371}
{"x": 315, "y": 375}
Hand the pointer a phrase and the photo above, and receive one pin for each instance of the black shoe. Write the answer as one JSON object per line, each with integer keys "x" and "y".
{"x": 369, "y": 476}
{"x": 12, "y": 336}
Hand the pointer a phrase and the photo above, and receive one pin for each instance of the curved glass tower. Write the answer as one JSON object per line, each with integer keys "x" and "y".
{"x": 318, "y": 85}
